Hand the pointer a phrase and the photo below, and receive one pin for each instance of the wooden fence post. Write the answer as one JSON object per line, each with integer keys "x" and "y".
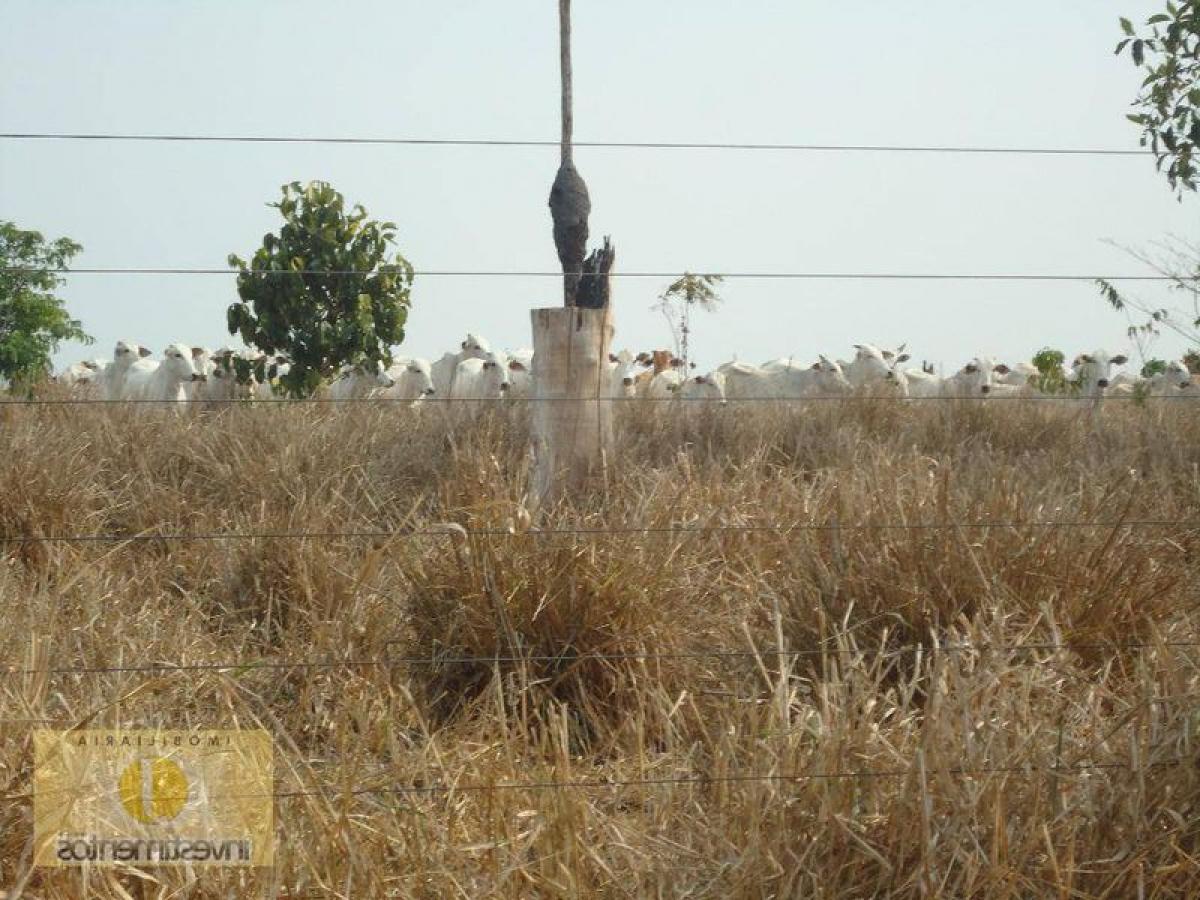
{"x": 572, "y": 413}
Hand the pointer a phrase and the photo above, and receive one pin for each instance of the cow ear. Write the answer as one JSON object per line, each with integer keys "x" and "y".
{"x": 1120, "y": 360}
{"x": 1002, "y": 369}
{"x": 88, "y": 364}
{"x": 903, "y": 357}
{"x": 197, "y": 352}
{"x": 816, "y": 365}
{"x": 1083, "y": 357}
{"x": 516, "y": 365}
{"x": 463, "y": 345}
{"x": 887, "y": 354}
{"x": 142, "y": 351}
{"x": 612, "y": 358}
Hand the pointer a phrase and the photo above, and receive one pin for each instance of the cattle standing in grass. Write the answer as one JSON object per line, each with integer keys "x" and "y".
{"x": 1092, "y": 372}
{"x": 413, "y": 380}
{"x": 358, "y": 381}
{"x": 445, "y": 369}
{"x": 783, "y": 379}
{"x": 484, "y": 379}
{"x": 978, "y": 378}
{"x": 125, "y": 354}
{"x": 872, "y": 365}
{"x": 520, "y": 374}
{"x": 710, "y": 388}
{"x": 621, "y": 374}
{"x": 1170, "y": 382}
{"x": 162, "y": 380}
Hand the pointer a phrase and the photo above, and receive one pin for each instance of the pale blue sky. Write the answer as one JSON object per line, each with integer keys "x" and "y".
{"x": 1020, "y": 73}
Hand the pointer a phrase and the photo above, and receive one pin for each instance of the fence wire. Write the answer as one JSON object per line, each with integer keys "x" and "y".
{"x": 557, "y": 144}
{"x": 501, "y": 402}
{"x": 485, "y": 273}
{"x": 1029, "y": 770}
{"x": 393, "y": 662}
{"x": 460, "y": 532}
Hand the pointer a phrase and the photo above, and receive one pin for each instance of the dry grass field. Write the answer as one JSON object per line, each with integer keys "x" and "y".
{"x": 585, "y": 709}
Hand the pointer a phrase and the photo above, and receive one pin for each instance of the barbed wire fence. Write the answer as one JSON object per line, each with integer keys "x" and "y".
{"x": 457, "y": 532}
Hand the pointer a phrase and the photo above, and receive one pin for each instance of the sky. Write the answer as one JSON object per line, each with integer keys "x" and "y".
{"x": 1014, "y": 74}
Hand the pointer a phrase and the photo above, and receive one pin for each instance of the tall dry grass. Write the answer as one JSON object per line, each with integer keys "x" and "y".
{"x": 848, "y": 765}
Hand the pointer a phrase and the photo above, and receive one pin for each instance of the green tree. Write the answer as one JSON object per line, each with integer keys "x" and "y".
{"x": 676, "y": 303}
{"x": 1050, "y": 378}
{"x": 33, "y": 321}
{"x": 1168, "y": 105}
{"x": 326, "y": 290}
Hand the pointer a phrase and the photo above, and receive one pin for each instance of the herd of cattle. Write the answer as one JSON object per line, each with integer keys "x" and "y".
{"x": 477, "y": 372}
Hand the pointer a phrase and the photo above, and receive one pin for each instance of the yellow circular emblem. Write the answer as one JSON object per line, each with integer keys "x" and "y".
{"x": 153, "y": 789}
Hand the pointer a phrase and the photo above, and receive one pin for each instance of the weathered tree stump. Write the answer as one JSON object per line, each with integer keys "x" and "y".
{"x": 572, "y": 413}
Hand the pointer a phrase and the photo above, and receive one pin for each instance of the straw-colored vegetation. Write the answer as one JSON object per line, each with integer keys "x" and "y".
{"x": 850, "y": 765}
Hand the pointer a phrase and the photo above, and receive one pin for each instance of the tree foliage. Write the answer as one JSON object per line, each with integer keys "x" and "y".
{"x": 1168, "y": 50}
{"x": 1178, "y": 261}
{"x": 676, "y": 303}
{"x": 1051, "y": 378}
{"x": 347, "y": 300}
{"x": 33, "y": 320}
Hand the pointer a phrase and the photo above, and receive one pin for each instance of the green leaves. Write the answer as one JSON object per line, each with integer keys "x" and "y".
{"x": 33, "y": 320}
{"x": 1169, "y": 99}
{"x": 342, "y": 293}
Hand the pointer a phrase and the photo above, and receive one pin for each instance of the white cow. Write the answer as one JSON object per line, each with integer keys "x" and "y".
{"x": 481, "y": 379}
{"x": 975, "y": 379}
{"x": 664, "y": 385}
{"x": 125, "y": 354}
{"x": 919, "y": 383}
{"x": 622, "y": 374}
{"x": 744, "y": 381}
{"x": 1175, "y": 381}
{"x": 520, "y": 374}
{"x": 1092, "y": 372}
{"x": 358, "y": 381}
{"x": 85, "y": 376}
{"x": 162, "y": 380}
{"x": 202, "y": 359}
{"x": 872, "y": 365}
{"x": 222, "y": 385}
{"x": 412, "y": 379}
{"x": 445, "y": 369}
{"x": 74, "y": 374}
{"x": 1021, "y": 375}
{"x": 783, "y": 379}
{"x": 710, "y": 388}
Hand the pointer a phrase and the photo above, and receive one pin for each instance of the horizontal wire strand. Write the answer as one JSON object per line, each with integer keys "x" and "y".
{"x": 504, "y": 401}
{"x": 608, "y": 145}
{"x": 458, "y": 531}
{"x": 697, "y": 780}
{"x": 533, "y": 273}
{"x": 649, "y": 655}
